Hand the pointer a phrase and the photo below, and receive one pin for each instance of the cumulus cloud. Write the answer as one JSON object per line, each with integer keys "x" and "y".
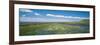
{"x": 25, "y": 10}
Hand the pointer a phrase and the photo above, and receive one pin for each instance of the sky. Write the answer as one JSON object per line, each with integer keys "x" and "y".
{"x": 47, "y": 15}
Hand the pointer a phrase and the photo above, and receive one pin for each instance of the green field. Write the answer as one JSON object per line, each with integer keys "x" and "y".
{"x": 47, "y": 28}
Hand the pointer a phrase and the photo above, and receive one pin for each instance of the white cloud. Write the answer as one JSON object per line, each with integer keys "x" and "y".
{"x": 55, "y": 15}
{"x": 51, "y": 15}
{"x": 72, "y": 17}
{"x": 25, "y": 10}
{"x": 59, "y": 16}
{"x": 30, "y": 19}
{"x": 62, "y": 16}
{"x": 36, "y": 13}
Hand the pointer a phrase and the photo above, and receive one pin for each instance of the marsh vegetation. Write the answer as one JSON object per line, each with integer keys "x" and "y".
{"x": 45, "y": 28}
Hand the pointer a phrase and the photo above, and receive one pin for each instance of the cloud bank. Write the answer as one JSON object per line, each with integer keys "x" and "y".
{"x": 62, "y": 16}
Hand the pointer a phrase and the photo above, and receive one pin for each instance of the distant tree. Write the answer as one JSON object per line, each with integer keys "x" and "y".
{"x": 84, "y": 22}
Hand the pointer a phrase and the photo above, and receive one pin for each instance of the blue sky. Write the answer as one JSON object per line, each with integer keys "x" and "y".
{"x": 45, "y": 15}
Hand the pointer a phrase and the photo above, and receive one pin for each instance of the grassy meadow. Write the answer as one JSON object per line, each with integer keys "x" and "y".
{"x": 47, "y": 28}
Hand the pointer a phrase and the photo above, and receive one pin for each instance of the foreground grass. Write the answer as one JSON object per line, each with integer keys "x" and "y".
{"x": 50, "y": 28}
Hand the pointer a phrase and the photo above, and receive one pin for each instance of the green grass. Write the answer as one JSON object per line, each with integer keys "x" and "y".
{"x": 84, "y": 22}
{"x": 49, "y": 28}
{"x": 46, "y": 28}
